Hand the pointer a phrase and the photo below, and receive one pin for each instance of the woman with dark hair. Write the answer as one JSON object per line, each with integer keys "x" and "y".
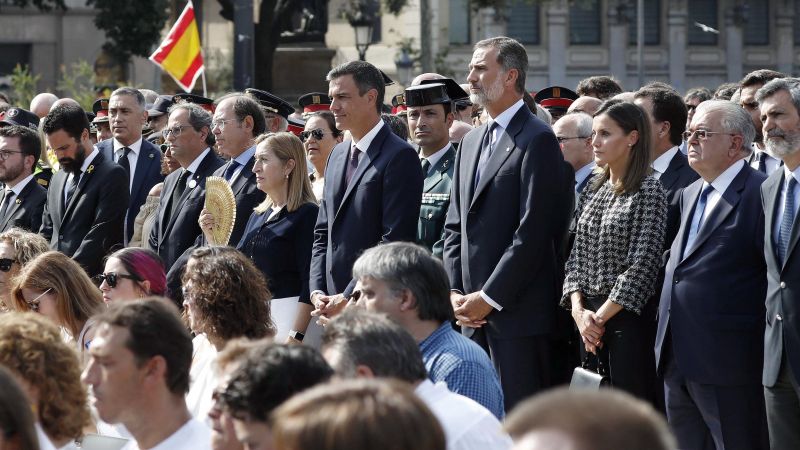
{"x": 16, "y": 418}
{"x": 620, "y": 226}
{"x": 133, "y": 273}
{"x": 225, "y": 297}
{"x": 319, "y": 138}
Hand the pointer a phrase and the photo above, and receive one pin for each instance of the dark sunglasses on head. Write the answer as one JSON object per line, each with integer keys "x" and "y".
{"x": 318, "y": 134}
{"x": 111, "y": 278}
{"x": 6, "y": 263}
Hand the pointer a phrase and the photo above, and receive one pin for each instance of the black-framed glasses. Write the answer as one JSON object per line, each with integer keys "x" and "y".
{"x": 6, "y": 263}
{"x": 112, "y": 278}
{"x": 562, "y": 139}
{"x": 318, "y": 134}
{"x": 703, "y": 134}
{"x": 5, "y": 153}
{"x": 34, "y": 304}
{"x": 175, "y": 131}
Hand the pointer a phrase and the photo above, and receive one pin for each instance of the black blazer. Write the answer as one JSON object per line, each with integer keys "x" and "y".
{"x": 91, "y": 224}
{"x": 247, "y": 196}
{"x": 501, "y": 236}
{"x": 146, "y": 175}
{"x": 171, "y": 236}
{"x": 26, "y": 211}
{"x": 711, "y": 299}
{"x": 782, "y": 332}
{"x": 281, "y": 248}
{"x": 381, "y": 204}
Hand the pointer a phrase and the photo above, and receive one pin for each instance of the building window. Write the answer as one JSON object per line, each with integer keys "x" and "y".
{"x": 460, "y": 22}
{"x": 703, "y": 12}
{"x": 584, "y": 23}
{"x": 14, "y": 54}
{"x": 756, "y": 28}
{"x": 652, "y": 23}
{"x": 523, "y": 21}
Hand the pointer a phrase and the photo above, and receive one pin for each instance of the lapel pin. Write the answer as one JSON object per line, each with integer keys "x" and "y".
{"x": 151, "y": 156}
{"x": 90, "y": 169}
{"x": 192, "y": 183}
{"x": 18, "y": 201}
{"x": 508, "y": 149}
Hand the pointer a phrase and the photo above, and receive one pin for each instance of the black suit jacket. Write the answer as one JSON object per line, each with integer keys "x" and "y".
{"x": 501, "y": 236}
{"x": 711, "y": 298}
{"x": 146, "y": 175}
{"x": 381, "y": 204}
{"x": 91, "y": 225}
{"x": 172, "y": 235}
{"x": 782, "y": 332}
{"x": 26, "y": 211}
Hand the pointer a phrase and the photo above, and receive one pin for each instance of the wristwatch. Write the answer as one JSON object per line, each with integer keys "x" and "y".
{"x": 296, "y": 335}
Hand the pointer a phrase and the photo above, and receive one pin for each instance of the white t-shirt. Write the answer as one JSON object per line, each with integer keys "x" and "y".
{"x": 467, "y": 425}
{"x": 203, "y": 377}
{"x": 193, "y": 435}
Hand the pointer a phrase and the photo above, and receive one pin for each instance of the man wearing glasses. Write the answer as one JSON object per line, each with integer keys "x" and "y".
{"x": 188, "y": 133}
{"x": 574, "y": 134}
{"x": 23, "y": 198}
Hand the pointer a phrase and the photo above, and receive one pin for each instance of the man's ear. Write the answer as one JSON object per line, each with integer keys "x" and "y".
{"x": 363, "y": 371}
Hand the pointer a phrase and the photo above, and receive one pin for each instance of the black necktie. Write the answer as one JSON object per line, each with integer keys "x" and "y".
{"x": 123, "y": 161}
{"x": 352, "y": 164}
{"x": 486, "y": 152}
{"x": 230, "y": 170}
{"x": 426, "y": 166}
{"x": 72, "y": 185}
{"x": 180, "y": 187}
{"x": 6, "y": 201}
{"x": 762, "y": 162}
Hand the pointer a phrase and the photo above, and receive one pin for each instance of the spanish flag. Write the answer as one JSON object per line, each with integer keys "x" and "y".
{"x": 180, "y": 54}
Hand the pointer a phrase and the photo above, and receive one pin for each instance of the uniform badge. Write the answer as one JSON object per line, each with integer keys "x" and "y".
{"x": 192, "y": 183}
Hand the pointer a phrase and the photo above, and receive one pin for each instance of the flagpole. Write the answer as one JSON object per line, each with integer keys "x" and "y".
{"x": 205, "y": 92}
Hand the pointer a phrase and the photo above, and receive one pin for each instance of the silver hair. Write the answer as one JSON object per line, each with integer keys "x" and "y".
{"x": 283, "y": 123}
{"x": 510, "y": 55}
{"x": 582, "y": 121}
{"x": 734, "y": 120}
{"x": 198, "y": 118}
{"x": 791, "y": 85}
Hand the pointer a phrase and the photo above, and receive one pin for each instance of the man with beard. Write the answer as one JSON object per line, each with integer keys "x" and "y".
{"x": 23, "y": 199}
{"x": 779, "y": 100}
{"x": 85, "y": 210}
{"x": 760, "y": 159}
{"x": 511, "y": 204}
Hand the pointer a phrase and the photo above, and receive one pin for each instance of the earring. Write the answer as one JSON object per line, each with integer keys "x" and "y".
{"x": 287, "y": 176}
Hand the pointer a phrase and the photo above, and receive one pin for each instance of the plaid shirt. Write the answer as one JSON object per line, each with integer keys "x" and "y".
{"x": 464, "y": 366}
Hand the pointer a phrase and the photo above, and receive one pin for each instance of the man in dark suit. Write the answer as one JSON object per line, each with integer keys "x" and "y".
{"x": 373, "y": 186}
{"x": 188, "y": 133}
{"x": 780, "y": 199}
{"x": 85, "y": 210}
{"x": 711, "y": 317}
{"x": 140, "y": 159}
{"x": 504, "y": 220}
{"x": 760, "y": 158}
{"x": 23, "y": 198}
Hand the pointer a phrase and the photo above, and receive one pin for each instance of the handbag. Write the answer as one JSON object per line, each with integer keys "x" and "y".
{"x": 584, "y": 378}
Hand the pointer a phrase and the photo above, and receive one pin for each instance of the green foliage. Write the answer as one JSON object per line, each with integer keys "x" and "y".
{"x": 42, "y": 5}
{"x": 78, "y": 82}
{"x": 132, "y": 27}
{"x": 23, "y": 85}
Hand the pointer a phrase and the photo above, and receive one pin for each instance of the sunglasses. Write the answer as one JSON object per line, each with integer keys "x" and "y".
{"x": 6, "y": 263}
{"x": 318, "y": 134}
{"x": 112, "y": 278}
{"x": 34, "y": 304}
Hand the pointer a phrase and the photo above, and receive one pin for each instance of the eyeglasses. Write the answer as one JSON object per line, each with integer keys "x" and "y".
{"x": 6, "y": 263}
{"x": 175, "y": 131}
{"x": 317, "y": 134}
{"x": 562, "y": 139}
{"x": 220, "y": 123}
{"x": 5, "y": 154}
{"x": 112, "y": 278}
{"x": 34, "y": 304}
{"x": 703, "y": 134}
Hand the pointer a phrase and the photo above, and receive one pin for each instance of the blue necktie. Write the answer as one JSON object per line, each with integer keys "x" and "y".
{"x": 697, "y": 219}
{"x": 787, "y": 220}
{"x": 486, "y": 152}
{"x": 230, "y": 170}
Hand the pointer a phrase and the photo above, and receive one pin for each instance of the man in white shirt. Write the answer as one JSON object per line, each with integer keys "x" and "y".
{"x": 356, "y": 344}
{"x": 138, "y": 375}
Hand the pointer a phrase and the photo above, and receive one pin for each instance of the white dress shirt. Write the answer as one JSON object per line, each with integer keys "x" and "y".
{"x": 133, "y": 156}
{"x": 661, "y": 164}
{"x": 582, "y": 174}
{"x": 17, "y": 188}
{"x": 434, "y": 158}
{"x": 772, "y": 163}
{"x": 243, "y": 159}
{"x": 364, "y": 143}
{"x": 203, "y": 377}
{"x": 193, "y": 435}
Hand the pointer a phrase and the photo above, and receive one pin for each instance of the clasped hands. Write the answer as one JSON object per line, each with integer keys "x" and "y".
{"x": 327, "y": 306}
{"x": 591, "y": 328}
{"x": 470, "y": 309}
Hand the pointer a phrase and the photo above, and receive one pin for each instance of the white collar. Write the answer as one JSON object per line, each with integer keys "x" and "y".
{"x": 504, "y": 118}
{"x": 725, "y": 179}
{"x": 88, "y": 161}
{"x": 661, "y": 164}
{"x": 584, "y": 172}
{"x": 196, "y": 163}
{"x": 364, "y": 143}
{"x": 135, "y": 147}
{"x": 791, "y": 173}
{"x": 436, "y": 157}
{"x": 17, "y": 189}
{"x": 245, "y": 156}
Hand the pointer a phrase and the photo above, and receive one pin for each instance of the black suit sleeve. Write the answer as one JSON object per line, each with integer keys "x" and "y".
{"x": 317, "y": 280}
{"x": 451, "y": 255}
{"x": 304, "y": 241}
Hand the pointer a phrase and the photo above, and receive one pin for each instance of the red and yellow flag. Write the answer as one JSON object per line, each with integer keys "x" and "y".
{"x": 180, "y": 54}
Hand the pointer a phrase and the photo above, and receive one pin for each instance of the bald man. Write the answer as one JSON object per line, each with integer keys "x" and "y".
{"x": 66, "y": 101}
{"x": 588, "y": 105}
{"x": 41, "y": 104}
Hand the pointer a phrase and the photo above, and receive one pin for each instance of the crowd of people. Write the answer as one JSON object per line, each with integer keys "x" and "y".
{"x": 421, "y": 276}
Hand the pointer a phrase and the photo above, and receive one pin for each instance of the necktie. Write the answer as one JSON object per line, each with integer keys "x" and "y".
{"x": 352, "y": 163}
{"x": 426, "y": 166}
{"x": 486, "y": 152}
{"x": 697, "y": 219}
{"x": 180, "y": 187}
{"x": 787, "y": 220}
{"x": 230, "y": 170}
{"x": 123, "y": 161}
{"x": 6, "y": 201}
{"x": 762, "y": 162}
{"x": 72, "y": 185}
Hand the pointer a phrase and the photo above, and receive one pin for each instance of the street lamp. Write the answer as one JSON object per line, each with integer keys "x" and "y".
{"x": 362, "y": 24}
{"x": 404, "y": 65}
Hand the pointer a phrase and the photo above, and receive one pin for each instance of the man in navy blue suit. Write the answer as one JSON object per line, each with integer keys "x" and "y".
{"x": 510, "y": 206}
{"x": 373, "y": 186}
{"x": 709, "y": 343}
{"x": 140, "y": 158}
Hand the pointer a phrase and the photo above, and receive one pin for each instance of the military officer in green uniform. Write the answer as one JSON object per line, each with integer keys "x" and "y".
{"x": 430, "y": 114}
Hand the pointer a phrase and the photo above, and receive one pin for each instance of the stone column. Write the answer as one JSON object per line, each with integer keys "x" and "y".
{"x": 618, "y": 44}
{"x": 677, "y": 30}
{"x": 784, "y": 36}
{"x": 734, "y": 40}
{"x": 557, "y": 17}
{"x": 491, "y": 24}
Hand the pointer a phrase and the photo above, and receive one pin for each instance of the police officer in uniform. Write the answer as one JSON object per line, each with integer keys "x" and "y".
{"x": 556, "y": 100}
{"x": 430, "y": 114}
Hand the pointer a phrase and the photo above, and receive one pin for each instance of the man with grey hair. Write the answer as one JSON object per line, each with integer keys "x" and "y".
{"x": 188, "y": 133}
{"x": 356, "y": 343}
{"x": 779, "y": 102}
{"x": 140, "y": 158}
{"x": 500, "y": 251}
{"x": 574, "y": 134}
{"x": 709, "y": 339}
{"x": 761, "y": 158}
{"x": 585, "y": 104}
{"x": 407, "y": 283}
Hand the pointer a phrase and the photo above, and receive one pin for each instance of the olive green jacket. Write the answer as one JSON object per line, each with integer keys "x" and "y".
{"x": 435, "y": 201}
